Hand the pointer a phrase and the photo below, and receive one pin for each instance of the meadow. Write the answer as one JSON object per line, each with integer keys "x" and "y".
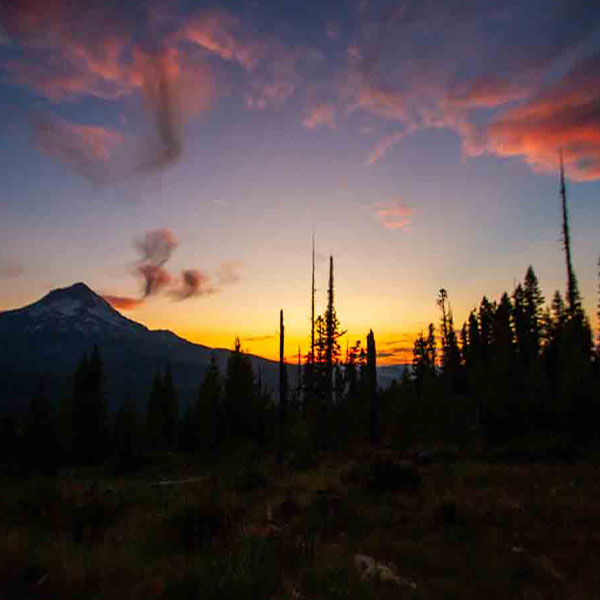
{"x": 246, "y": 528}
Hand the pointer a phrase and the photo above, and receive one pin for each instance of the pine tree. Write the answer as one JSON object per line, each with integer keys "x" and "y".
{"x": 87, "y": 411}
{"x": 40, "y": 449}
{"x": 209, "y": 408}
{"x": 154, "y": 417}
{"x": 283, "y": 399}
{"x": 332, "y": 333}
{"x": 598, "y": 311}
{"x": 533, "y": 301}
{"x": 423, "y": 365}
{"x": 441, "y": 301}
{"x": 372, "y": 378}
{"x": 241, "y": 418}
{"x": 170, "y": 410}
{"x": 451, "y": 359}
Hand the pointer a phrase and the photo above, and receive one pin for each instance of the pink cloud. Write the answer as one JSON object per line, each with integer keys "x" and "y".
{"x": 323, "y": 114}
{"x": 563, "y": 116}
{"x": 193, "y": 283}
{"x": 382, "y": 147}
{"x": 86, "y": 148}
{"x": 123, "y": 302}
{"x": 155, "y": 279}
{"x": 393, "y": 214}
{"x": 486, "y": 92}
{"x": 515, "y": 106}
{"x": 219, "y": 32}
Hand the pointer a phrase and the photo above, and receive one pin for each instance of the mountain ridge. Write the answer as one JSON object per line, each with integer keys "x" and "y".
{"x": 50, "y": 335}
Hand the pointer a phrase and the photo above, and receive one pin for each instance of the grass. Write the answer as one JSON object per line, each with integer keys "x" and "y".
{"x": 467, "y": 530}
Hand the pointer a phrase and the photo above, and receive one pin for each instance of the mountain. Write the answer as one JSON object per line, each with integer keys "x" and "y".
{"x": 49, "y": 337}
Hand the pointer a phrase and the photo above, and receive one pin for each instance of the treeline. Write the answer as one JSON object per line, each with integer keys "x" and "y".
{"x": 519, "y": 377}
{"x": 325, "y": 406}
{"x": 517, "y": 372}
{"x": 230, "y": 409}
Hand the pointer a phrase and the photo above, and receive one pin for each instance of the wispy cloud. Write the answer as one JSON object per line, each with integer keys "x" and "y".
{"x": 382, "y": 147}
{"x": 564, "y": 116}
{"x": 393, "y": 214}
{"x": 260, "y": 338}
{"x": 123, "y": 302}
{"x": 156, "y": 248}
{"x": 525, "y": 109}
{"x": 86, "y": 148}
{"x": 323, "y": 114}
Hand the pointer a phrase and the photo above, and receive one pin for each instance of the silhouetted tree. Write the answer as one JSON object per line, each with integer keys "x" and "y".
{"x": 40, "y": 448}
{"x": 372, "y": 379}
{"x": 332, "y": 334}
{"x": 209, "y": 409}
{"x": 87, "y": 411}
{"x": 154, "y": 432}
{"x": 243, "y": 402}
{"x": 451, "y": 368}
{"x": 170, "y": 410}
{"x": 283, "y": 399}
{"x": 573, "y": 298}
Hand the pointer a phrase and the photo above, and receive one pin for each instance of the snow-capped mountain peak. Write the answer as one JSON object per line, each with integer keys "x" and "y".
{"x": 76, "y": 307}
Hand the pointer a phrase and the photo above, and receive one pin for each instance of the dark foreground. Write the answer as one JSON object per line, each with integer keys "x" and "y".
{"x": 444, "y": 530}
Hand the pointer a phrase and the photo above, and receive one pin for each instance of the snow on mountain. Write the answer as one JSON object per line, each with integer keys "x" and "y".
{"x": 75, "y": 308}
{"x": 50, "y": 336}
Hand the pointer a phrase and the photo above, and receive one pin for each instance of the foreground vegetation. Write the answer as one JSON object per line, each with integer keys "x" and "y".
{"x": 242, "y": 529}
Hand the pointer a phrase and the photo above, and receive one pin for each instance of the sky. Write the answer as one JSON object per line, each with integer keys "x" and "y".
{"x": 178, "y": 156}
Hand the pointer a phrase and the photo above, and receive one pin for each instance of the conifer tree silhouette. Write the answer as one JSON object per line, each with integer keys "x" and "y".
{"x": 372, "y": 378}
{"x": 283, "y": 392}
{"x": 209, "y": 408}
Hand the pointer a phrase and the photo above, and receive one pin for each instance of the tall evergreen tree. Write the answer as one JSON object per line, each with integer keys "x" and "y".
{"x": 88, "y": 424}
{"x": 451, "y": 359}
{"x": 154, "y": 433}
{"x": 332, "y": 334}
{"x": 40, "y": 449}
{"x": 283, "y": 392}
{"x": 170, "y": 410}
{"x": 203, "y": 428}
{"x": 373, "y": 400}
{"x": 242, "y": 416}
{"x": 533, "y": 301}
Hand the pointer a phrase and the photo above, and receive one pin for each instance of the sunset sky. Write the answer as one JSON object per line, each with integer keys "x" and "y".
{"x": 177, "y": 157}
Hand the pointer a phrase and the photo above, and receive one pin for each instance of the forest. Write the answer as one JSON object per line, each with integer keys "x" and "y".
{"x": 519, "y": 377}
